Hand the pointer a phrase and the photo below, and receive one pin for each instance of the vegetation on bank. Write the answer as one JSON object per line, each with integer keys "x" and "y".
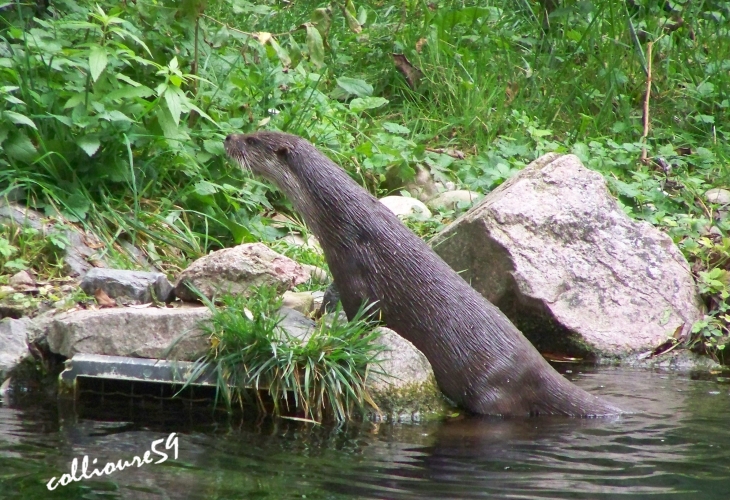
{"x": 113, "y": 113}
{"x": 322, "y": 376}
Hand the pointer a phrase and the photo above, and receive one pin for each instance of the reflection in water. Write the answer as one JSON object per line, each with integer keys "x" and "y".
{"x": 677, "y": 445}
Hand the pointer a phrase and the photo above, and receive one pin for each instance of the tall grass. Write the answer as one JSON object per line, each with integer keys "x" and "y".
{"x": 321, "y": 377}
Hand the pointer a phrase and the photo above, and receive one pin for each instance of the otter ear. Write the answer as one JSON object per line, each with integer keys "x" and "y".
{"x": 282, "y": 151}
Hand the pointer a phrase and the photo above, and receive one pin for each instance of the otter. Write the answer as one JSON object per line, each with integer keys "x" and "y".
{"x": 481, "y": 361}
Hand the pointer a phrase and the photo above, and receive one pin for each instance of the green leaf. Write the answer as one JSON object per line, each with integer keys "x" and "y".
{"x": 19, "y": 119}
{"x": 705, "y": 118}
{"x": 205, "y": 188}
{"x": 350, "y": 15}
{"x": 322, "y": 21}
{"x": 20, "y": 147}
{"x": 116, "y": 116}
{"x": 220, "y": 37}
{"x": 90, "y": 144}
{"x": 315, "y": 46}
{"x": 13, "y": 100}
{"x": 281, "y": 53}
{"x": 17, "y": 264}
{"x": 63, "y": 119}
{"x": 362, "y": 16}
{"x": 97, "y": 61}
{"x": 174, "y": 105}
{"x": 363, "y": 103}
{"x": 395, "y": 128}
{"x": 129, "y": 92}
{"x": 74, "y": 101}
{"x": 214, "y": 147}
{"x": 77, "y": 206}
{"x": 355, "y": 86}
{"x": 169, "y": 128}
{"x": 6, "y": 249}
{"x": 125, "y": 78}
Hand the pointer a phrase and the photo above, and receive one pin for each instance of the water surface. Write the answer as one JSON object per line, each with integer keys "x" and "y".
{"x": 676, "y": 446}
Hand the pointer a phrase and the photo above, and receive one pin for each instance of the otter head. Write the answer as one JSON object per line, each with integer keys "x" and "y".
{"x": 270, "y": 155}
{"x": 263, "y": 153}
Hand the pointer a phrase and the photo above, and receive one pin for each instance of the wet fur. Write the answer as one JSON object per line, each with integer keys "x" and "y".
{"x": 481, "y": 361}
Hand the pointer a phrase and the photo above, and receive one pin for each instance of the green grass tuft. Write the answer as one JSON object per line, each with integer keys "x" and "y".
{"x": 321, "y": 378}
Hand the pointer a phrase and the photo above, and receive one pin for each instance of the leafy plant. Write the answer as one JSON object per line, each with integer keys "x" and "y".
{"x": 322, "y": 376}
{"x": 24, "y": 248}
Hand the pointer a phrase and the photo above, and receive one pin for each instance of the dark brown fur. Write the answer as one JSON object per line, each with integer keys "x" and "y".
{"x": 481, "y": 361}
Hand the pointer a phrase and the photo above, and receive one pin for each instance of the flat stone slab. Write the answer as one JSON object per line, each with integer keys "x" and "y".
{"x": 125, "y": 331}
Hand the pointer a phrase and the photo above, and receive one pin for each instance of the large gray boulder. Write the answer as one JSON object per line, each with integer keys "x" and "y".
{"x": 238, "y": 270}
{"x": 168, "y": 333}
{"x": 554, "y": 251}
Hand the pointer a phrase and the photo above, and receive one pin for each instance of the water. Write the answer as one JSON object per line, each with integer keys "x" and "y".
{"x": 677, "y": 447}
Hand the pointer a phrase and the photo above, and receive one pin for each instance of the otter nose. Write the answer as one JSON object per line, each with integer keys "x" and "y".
{"x": 229, "y": 138}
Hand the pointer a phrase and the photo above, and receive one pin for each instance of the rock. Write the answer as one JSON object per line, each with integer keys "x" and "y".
{"x": 22, "y": 279}
{"x": 450, "y": 200}
{"x": 404, "y": 207}
{"x": 138, "y": 255}
{"x": 309, "y": 241}
{"x": 552, "y": 249}
{"x": 329, "y": 301}
{"x": 137, "y": 285}
{"x": 317, "y": 274}
{"x": 318, "y": 298}
{"x": 718, "y": 195}
{"x": 77, "y": 254}
{"x": 401, "y": 363}
{"x": 679, "y": 360}
{"x": 299, "y": 301}
{"x": 237, "y": 270}
{"x": 421, "y": 187}
{"x": 402, "y": 384}
{"x": 18, "y": 215}
{"x": 13, "y": 344}
{"x": 296, "y": 324}
{"x": 125, "y": 331}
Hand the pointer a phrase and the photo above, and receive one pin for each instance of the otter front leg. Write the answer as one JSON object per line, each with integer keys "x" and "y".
{"x": 352, "y": 284}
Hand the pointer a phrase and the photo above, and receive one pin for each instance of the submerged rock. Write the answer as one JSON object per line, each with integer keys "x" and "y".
{"x": 554, "y": 251}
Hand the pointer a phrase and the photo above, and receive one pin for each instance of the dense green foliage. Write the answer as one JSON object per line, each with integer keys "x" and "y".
{"x": 320, "y": 377}
{"x": 113, "y": 112}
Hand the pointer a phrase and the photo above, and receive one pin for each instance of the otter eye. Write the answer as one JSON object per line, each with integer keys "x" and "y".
{"x": 250, "y": 141}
